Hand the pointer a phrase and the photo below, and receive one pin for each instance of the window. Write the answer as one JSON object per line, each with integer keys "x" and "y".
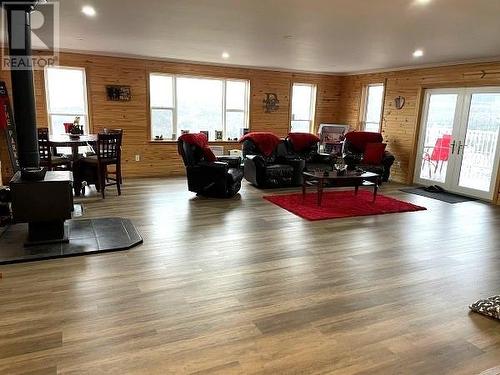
{"x": 194, "y": 104}
{"x": 372, "y": 107}
{"x": 303, "y": 105}
{"x": 66, "y": 93}
{"x": 162, "y": 105}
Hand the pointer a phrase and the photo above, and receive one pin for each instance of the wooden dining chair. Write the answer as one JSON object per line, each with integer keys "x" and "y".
{"x": 113, "y": 174}
{"x": 94, "y": 169}
{"x": 48, "y": 158}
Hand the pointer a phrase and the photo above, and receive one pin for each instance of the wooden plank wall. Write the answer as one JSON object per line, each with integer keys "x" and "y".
{"x": 400, "y": 127}
{"x": 161, "y": 159}
{"x": 339, "y": 99}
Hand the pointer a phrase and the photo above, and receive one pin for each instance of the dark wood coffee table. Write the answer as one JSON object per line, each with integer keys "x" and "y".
{"x": 351, "y": 179}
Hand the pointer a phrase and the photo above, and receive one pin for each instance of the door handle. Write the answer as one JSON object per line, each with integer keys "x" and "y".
{"x": 460, "y": 147}
{"x": 453, "y": 147}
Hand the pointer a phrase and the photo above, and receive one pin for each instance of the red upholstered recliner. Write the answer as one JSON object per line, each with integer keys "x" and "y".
{"x": 354, "y": 150}
{"x": 207, "y": 175}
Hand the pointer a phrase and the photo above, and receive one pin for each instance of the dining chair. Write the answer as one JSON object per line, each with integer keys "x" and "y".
{"x": 48, "y": 158}
{"x": 118, "y": 167}
{"x": 94, "y": 169}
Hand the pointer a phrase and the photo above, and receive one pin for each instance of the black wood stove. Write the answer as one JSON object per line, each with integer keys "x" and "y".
{"x": 43, "y": 200}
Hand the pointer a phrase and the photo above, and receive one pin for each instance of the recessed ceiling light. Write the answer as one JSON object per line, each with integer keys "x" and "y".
{"x": 418, "y": 53}
{"x": 225, "y": 55}
{"x": 88, "y": 11}
{"x": 423, "y": 2}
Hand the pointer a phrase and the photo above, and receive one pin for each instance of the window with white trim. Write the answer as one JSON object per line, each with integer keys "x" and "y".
{"x": 303, "y": 106}
{"x": 66, "y": 93}
{"x": 373, "y": 101}
{"x": 194, "y": 104}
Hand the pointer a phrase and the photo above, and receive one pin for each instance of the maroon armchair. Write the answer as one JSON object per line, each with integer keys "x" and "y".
{"x": 366, "y": 150}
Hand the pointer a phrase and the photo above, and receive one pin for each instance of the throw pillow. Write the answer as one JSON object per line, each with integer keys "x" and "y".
{"x": 374, "y": 153}
{"x": 489, "y": 307}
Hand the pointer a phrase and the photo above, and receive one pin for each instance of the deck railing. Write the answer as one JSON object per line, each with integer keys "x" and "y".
{"x": 479, "y": 155}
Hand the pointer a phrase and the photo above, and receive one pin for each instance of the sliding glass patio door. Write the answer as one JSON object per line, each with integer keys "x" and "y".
{"x": 459, "y": 141}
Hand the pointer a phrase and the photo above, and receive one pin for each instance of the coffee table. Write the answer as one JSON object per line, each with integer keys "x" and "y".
{"x": 350, "y": 179}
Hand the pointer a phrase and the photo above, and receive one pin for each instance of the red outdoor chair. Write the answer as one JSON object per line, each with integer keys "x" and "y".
{"x": 440, "y": 154}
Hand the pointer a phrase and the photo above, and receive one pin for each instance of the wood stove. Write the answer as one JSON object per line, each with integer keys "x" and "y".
{"x": 43, "y": 200}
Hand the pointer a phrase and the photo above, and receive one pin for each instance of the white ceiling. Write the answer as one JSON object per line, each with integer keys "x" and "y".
{"x": 334, "y": 36}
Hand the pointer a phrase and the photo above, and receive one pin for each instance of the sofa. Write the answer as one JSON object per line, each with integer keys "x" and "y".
{"x": 366, "y": 150}
{"x": 207, "y": 175}
{"x": 305, "y": 146}
{"x": 267, "y": 162}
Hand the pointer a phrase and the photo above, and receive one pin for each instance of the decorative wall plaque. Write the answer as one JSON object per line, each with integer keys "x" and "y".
{"x": 271, "y": 102}
{"x": 399, "y": 102}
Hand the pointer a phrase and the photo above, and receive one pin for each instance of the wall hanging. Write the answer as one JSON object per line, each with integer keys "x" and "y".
{"x": 481, "y": 74}
{"x": 271, "y": 102}
{"x": 118, "y": 93}
{"x": 399, "y": 102}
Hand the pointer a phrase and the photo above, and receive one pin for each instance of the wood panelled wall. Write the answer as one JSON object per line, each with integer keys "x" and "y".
{"x": 400, "y": 127}
{"x": 338, "y": 101}
{"x": 161, "y": 159}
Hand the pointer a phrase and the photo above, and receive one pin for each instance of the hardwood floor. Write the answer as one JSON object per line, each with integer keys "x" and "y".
{"x": 242, "y": 286}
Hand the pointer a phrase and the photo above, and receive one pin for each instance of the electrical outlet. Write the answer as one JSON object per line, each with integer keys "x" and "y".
{"x": 137, "y": 157}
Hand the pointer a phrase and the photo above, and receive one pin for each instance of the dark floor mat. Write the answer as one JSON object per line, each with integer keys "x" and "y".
{"x": 444, "y": 196}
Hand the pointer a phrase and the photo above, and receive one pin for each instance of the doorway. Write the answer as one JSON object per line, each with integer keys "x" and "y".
{"x": 458, "y": 147}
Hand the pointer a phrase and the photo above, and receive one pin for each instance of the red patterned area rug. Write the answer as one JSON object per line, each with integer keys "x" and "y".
{"x": 340, "y": 204}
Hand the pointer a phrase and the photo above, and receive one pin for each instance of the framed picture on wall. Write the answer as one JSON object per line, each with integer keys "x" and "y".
{"x": 118, "y": 93}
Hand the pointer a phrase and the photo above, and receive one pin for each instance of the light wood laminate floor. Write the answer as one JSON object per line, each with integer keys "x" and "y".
{"x": 241, "y": 286}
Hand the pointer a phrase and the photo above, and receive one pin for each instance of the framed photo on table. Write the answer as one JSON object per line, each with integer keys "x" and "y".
{"x": 332, "y": 137}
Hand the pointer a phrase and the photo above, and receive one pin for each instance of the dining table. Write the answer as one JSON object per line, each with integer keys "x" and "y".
{"x": 65, "y": 140}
